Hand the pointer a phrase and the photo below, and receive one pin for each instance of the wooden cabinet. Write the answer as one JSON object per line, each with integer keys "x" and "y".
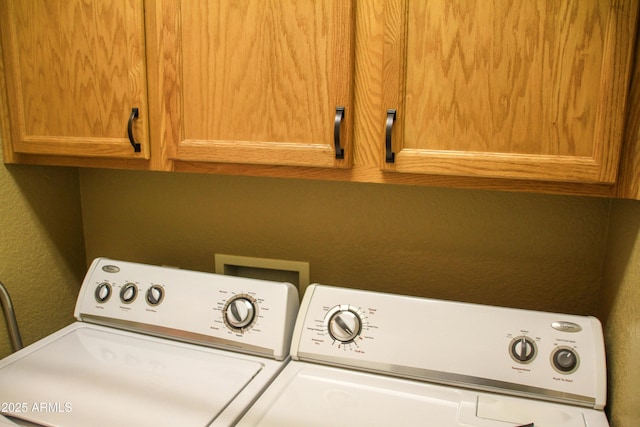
{"x": 628, "y": 185}
{"x": 522, "y": 96}
{"x": 531, "y": 90}
{"x": 75, "y": 72}
{"x": 257, "y": 82}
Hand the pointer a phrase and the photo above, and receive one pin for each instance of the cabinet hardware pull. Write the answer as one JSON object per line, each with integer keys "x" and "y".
{"x": 132, "y": 117}
{"x": 391, "y": 117}
{"x": 336, "y": 132}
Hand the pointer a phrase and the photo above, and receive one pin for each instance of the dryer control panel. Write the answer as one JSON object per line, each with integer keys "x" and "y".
{"x": 246, "y": 315}
{"x": 547, "y": 356}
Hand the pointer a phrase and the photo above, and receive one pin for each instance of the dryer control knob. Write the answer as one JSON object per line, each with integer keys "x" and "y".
{"x": 128, "y": 293}
{"x": 239, "y": 313}
{"x": 565, "y": 360}
{"x": 103, "y": 292}
{"x": 522, "y": 349}
{"x": 344, "y": 326}
{"x": 155, "y": 294}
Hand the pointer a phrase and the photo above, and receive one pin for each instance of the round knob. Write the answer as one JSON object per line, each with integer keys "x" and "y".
{"x": 155, "y": 294}
{"x": 128, "y": 293}
{"x": 240, "y": 312}
{"x": 523, "y": 349}
{"x": 103, "y": 292}
{"x": 565, "y": 360}
{"x": 344, "y": 326}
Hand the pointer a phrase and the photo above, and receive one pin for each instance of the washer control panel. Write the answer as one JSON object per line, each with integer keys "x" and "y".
{"x": 543, "y": 355}
{"x": 247, "y": 315}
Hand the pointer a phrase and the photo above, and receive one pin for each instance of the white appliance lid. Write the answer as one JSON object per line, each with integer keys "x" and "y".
{"x": 316, "y": 396}
{"x": 96, "y": 376}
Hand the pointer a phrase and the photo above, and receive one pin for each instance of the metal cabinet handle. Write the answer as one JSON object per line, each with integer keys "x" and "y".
{"x": 336, "y": 132}
{"x": 391, "y": 117}
{"x": 132, "y": 117}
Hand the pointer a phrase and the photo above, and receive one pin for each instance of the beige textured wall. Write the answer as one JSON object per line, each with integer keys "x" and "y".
{"x": 622, "y": 300}
{"x": 42, "y": 258}
{"x": 522, "y": 250}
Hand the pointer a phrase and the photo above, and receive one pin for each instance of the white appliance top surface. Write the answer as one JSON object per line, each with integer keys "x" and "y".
{"x": 316, "y": 396}
{"x": 93, "y": 375}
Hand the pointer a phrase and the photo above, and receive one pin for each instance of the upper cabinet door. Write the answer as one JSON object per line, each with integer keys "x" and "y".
{"x": 257, "y": 82}
{"x": 75, "y": 72}
{"x": 530, "y": 89}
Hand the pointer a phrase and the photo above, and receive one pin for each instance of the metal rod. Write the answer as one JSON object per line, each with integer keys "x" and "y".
{"x": 10, "y": 316}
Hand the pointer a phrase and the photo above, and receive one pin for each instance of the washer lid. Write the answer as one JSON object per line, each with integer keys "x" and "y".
{"x": 89, "y": 375}
{"x": 317, "y": 396}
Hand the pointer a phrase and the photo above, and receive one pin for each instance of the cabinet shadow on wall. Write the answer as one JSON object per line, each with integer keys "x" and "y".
{"x": 52, "y": 198}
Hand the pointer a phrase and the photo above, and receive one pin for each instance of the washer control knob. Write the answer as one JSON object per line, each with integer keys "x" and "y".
{"x": 155, "y": 294}
{"x": 344, "y": 326}
{"x": 565, "y": 360}
{"x": 128, "y": 293}
{"x": 240, "y": 312}
{"x": 522, "y": 349}
{"x": 103, "y": 292}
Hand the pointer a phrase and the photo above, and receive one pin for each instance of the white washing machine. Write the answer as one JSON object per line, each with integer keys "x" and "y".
{"x": 373, "y": 359}
{"x": 153, "y": 346}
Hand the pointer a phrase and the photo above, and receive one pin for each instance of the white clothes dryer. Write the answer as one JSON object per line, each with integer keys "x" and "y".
{"x": 374, "y": 359}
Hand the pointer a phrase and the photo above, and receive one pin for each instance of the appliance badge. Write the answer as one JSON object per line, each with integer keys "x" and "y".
{"x": 564, "y": 326}
{"x": 110, "y": 268}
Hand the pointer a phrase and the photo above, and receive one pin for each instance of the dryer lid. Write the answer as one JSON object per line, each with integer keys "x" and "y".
{"x": 104, "y": 377}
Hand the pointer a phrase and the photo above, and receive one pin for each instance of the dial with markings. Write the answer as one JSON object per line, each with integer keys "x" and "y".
{"x": 565, "y": 360}
{"x": 128, "y": 293}
{"x": 344, "y": 324}
{"x": 523, "y": 349}
{"x": 240, "y": 312}
{"x": 155, "y": 295}
{"x": 103, "y": 292}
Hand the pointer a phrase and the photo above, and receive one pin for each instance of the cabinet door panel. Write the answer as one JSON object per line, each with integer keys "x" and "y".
{"x": 259, "y": 81}
{"x": 524, "y": 89}
{"x": 75, "y": 70}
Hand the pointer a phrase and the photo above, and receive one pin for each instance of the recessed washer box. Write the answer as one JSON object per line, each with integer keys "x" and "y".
{"x": 295, "y": 272}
